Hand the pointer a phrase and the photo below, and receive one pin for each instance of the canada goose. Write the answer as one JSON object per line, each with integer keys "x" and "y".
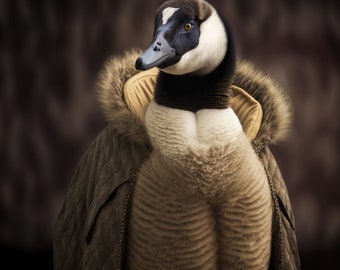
{"x": 202, "y": 200}
{"x": 173, "y": 182}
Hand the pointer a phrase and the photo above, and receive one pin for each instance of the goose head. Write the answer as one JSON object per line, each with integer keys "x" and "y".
{"x": 189, "y": 38}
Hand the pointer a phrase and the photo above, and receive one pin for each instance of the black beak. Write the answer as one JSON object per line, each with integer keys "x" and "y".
{"x": 158, "y": 52}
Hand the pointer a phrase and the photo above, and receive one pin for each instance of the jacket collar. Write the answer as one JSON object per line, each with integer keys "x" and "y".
{"x": 138, "y": 92}
{"x": 124, "y": 94}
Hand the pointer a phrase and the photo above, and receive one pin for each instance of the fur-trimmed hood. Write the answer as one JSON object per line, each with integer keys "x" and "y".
{"x": 276, "y": 106}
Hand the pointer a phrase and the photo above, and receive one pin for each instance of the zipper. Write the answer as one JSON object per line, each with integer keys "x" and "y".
{"x": 277, "y": 212}
{"x": 278, "y": 217}
{"x": 259, "y": 147}
{"x": 126, "y": 207}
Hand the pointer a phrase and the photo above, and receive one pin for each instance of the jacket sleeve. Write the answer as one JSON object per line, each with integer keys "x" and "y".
{"x": 87, "y": 231}
{"x": 285, "y": 254}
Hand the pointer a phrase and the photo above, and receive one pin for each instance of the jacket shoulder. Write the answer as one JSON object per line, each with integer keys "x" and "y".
{"x": 275, "y": 103}
{"x": 112, "y": 78}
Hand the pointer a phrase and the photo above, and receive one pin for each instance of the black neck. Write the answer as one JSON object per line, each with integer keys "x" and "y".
{"x": 193, "y": 92}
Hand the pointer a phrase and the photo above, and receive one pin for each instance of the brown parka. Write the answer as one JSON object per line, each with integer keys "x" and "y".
{"x": 90, "y": 232}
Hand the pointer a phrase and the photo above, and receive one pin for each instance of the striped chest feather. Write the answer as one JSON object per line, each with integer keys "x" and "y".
{"x": 202, "y": 200}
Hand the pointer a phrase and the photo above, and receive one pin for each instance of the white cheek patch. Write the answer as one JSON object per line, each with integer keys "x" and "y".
{"x": 167, "y": 13}
{"x": 208, "y": 54}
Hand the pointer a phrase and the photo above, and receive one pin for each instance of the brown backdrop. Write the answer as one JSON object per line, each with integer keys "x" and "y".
{"x": 50, "y": 53}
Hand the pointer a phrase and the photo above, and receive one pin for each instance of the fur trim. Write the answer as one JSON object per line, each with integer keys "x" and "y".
{"x": 116, "y": 71}
{"x": 276, "y": 105}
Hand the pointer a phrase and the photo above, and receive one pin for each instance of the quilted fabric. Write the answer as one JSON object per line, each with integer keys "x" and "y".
{"x": 89, "y": 227}
{"x": 284, "y": 242}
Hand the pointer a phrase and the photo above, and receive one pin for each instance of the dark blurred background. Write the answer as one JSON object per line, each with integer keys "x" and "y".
{"x": 51, "y": 52}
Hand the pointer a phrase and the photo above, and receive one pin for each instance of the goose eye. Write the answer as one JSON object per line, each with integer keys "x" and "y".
{"x": 187, "y": 27}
